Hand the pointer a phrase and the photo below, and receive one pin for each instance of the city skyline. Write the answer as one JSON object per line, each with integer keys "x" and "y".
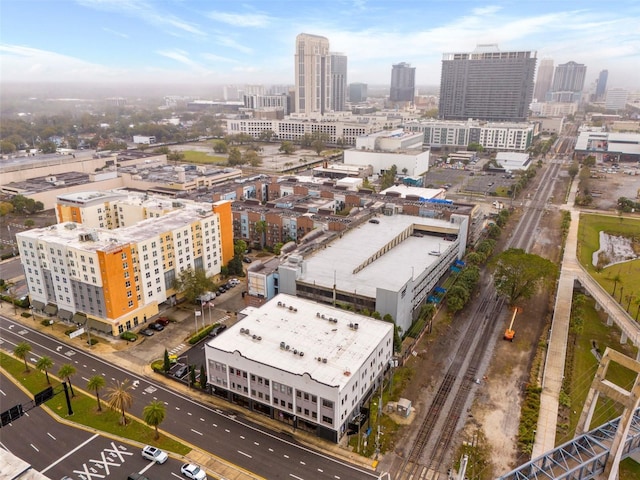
{"x": 138, "y": 41}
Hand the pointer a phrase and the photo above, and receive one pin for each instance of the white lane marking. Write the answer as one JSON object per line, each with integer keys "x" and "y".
{"x": 242, "y": 437}
{"x": 271, "y": 450}
{"x": 151, "y": 464}
{"x": 196, "y": 431}
{"x": 295, "y": 476}
{"x": 177, "y": 408}
{"x": 177, "y": 476}
{"x": 320, "y": 470}
{"x": 256, "y": 444}
{"x": 34, "y": 447}
{"x": 85, "y": 379}
{"x": 58, "y": 349}
{"x": 245, "y": 454}
{"x": 286, "y": 456}
{"x": 51, "y": 435}
{"x": 69, "y": 453}
{"x": 227, "y": 430}
{"x": 189, "y": 413}
{"x": 215, "y": 425}
{"x": 201, "y": 419}
{"x": 302, "y": 463}
{"x": 3, "y": 394}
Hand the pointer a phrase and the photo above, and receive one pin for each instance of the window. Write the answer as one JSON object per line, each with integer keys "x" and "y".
{"x": 328, "y": 420}
{"x": 327, "y": 403}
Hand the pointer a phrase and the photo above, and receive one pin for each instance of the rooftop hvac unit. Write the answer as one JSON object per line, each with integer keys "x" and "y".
{"x": 254, "y": 336}
{"x": 282, "y": 345}
{"x": 318, "y": 314}
{"x": 287, "y": 348}
{"x": 324, "y": 360}
{"x": 279, "y": 304}
{"x": 355, "y": 326}
{"x": 246, "y": 330}
{"x": 259, "y": 338}
{"x": 319, "y": 359}
{"x": 242, "y": 330}
{"x": 301, "y": 354}
{"x": 351, "y": 325}
{"x": 295, "y": 351}
{"x": 322, "y": 315}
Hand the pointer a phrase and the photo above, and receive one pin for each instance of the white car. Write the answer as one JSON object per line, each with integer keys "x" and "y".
{"x": 154, "y": 454}
{"x": 193, "y": 472}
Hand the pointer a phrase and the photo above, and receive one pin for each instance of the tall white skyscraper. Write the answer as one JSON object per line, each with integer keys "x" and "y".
{"x": 543, "y": 79}
{"x": 313, "y": 74}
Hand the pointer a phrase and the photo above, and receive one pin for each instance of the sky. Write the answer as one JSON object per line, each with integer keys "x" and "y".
{"x": 253, "y": 41}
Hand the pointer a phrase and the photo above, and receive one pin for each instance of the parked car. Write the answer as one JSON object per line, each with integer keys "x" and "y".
{"x": 374, "y": 220}
{"x": 156, "y": 326}
{"x": 217, "y": 330}
{"x": 234, "y": 281}
{"x": 147, "y": 332}
{"x": 164, "y": 321}
{"x": 247, "y": 260}
{"x": 181, "y": 371}
{"x": 154, "y": 454}
{"x": 193, "y": 472}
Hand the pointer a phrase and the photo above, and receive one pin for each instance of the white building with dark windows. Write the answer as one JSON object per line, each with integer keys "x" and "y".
{"x": 308, "y": 365}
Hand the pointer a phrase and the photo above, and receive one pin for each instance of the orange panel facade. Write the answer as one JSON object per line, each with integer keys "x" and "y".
{"x": 118, "y": 280}
{"x": 223, "y": 209}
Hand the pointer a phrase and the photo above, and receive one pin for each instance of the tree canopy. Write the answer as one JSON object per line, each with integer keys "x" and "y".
{"x": 518, "y": 274}
{"x": 193, "y": 283}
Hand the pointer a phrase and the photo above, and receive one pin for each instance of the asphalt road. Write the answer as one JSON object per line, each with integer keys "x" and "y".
{"x": 57, "y": 450}
{"x": 272, "y": 455}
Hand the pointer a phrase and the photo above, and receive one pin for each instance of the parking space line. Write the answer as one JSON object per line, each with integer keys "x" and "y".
{"x": 70, "y": 453}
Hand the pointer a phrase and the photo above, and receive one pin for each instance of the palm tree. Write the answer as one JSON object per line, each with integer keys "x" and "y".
{"x": 120, "y": 398}
{"x": 44, "y": 364}
{"x": 616, "y": 278}
{"x": 154, "y": 414}
{"x": 66, "y": 372}
{"x": 96, "y": 383}
{"x": 21, "y": 351}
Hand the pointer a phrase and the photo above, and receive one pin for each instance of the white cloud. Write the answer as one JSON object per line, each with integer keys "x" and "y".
{"x": 231, "y": 43}
{"x": 240, "y": 19}
{"x": 114, "y": 32}
{"x": 217, "y": 58}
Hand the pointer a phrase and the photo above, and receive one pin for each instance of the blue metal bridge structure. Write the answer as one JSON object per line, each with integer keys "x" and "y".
{"x": 582, "y": 458}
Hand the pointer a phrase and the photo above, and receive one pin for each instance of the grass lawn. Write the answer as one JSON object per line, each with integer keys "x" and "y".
{"x": 628, "y": 288}
{"x": 191, "y": 156}
{"x": 585, "y": 365}
{"x": 85, "y": 408}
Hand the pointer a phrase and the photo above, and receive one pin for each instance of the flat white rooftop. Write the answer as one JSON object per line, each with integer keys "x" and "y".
{"x": 336, "y": 262}
{"x": 301, "y": 341}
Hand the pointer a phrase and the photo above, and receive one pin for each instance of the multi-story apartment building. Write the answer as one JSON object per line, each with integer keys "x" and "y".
{"x": 403, "y": 83}
{"x": 114, "y": 278}
{"x": 308, "y": 365}
{"x": 491, "y": 135}
{"x": 313, "y": 74}
{"x": 487, "y": 84}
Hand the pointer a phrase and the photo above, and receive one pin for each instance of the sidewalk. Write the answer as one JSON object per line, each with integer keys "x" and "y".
{"x": 124, "y": 355}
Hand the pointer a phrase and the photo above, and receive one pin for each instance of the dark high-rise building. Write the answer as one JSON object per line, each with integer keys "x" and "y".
{"x": 569, "y": 77}
{"x": 487, "y": 84}
{"x": 403, "y": 83}
{"x": 543, "y": 79}
{"x": 357, "y": 92}
{"x": 338, "y": 82}
{"x": 601, "y": 86}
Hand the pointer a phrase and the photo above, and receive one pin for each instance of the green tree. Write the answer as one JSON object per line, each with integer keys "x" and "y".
{"x": 154, "y": 414}
{"x": 252, "y": 158}
{"x": 7, "y": 147}
{"x": 397, "y": 341}
{"x": 220, "y": 146}
{"x": 203, "y": 377}
{"x": 261, "y": 230}
{"x": 193, "y": 283}
{"x": 266, "y": 136}
{"x": 120, "y": 399}
{"x": 48, "y": 147}
{"x": 287, "y": 147}
{"x": 235, "y": 157}
{"x": 388, "y": 178}
{"x": 175, "y": 156}
{"x": 590, "y": 161}
{"x": 44, "y": 364}
{"x": 5, "y": 208}
{"x": 192, "y": 375}
{"x": 167, "y": 362}
{"x": 95, "y": 384}
{"x": 574, "y": 168}
{"x": 66, "y": 372}
{"x": 21, "y": 351}
{"x": 475, "y": 147}
{"x": 616, "y": 278}
{"x": 494, "y": 231}
{"x": 518, "y": 274}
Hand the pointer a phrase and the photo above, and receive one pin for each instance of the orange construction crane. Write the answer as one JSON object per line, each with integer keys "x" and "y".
{"x": 509, "y": 333}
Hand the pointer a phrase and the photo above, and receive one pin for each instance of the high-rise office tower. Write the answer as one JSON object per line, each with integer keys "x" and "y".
{"x": 543, "y": 79}
{"x": 338, "y": 82}
{"x": 616, "y": 99}
{"x": 357, "y": 92}
{"x": 313, "y": 74}
{"x": 403, "y": 83}
{"x": 569, "y": 77}
{"x": 601, "y": 86}
{"x": 487, "y": 84}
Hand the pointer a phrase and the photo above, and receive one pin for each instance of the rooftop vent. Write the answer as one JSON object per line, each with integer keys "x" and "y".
{"x": 283, "y": 345}
{"x": 301, "y": 354}
{"x": 324, "y": 360}
{"x": 318, "y": 314}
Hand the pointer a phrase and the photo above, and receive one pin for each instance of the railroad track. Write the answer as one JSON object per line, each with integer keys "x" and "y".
{"x": 430, "y": 454}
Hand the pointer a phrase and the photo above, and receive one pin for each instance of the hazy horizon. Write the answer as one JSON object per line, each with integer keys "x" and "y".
{"x": 172, "y": 42}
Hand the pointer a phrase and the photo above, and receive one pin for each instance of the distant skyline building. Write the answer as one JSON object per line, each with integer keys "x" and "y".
{"x": 313, "y": 74}
{"x": 543, "y": 79}
{"x": 616, "y": 99}
{"x": 487, "y": 84}
{"x": 338, "y": 82}
{"x": 569, "y": 77}
{"x": 357, "y": 92}
{"x": 601, "y": 85}
{"x": 403, "y": 83}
